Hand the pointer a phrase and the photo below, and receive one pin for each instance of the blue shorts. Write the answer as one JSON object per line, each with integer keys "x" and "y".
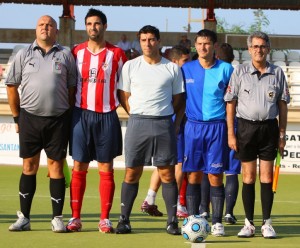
{"x": 206, "y": 147}
{"x": 95, "y": 136}
{"x": 180, "y": 143}
{"x": 234, "y": 165}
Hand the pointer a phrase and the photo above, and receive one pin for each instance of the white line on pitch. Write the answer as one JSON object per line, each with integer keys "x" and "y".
{"x": 198, "y": 245}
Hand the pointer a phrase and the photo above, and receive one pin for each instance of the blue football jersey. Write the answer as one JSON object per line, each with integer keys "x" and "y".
{"x": 205, "y": 90}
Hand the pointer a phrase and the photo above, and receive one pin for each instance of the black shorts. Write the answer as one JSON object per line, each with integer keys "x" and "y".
{"x": 257, "y": 139}
{"x": 48, "y": 133}
{"x": 150, "y": 139}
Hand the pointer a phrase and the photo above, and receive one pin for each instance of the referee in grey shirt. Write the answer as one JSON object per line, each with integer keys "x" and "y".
{"x": 257, "y": 94}
{"x": 45, "y": 74}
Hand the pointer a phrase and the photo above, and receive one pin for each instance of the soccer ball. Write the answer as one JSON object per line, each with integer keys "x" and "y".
{"x": 195, "y": 228}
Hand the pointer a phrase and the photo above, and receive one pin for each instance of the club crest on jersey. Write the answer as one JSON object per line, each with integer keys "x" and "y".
{"x": 93, "y": 75}
{"x": 104, "y": 66}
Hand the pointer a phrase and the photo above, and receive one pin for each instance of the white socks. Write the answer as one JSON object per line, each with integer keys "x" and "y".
{"x": 150, "y": 198}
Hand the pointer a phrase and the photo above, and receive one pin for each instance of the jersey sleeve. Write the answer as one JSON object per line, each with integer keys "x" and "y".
{"x": 232, "y": 88}
{"x": 124, "y": 81}
{"x": 178, "y": 84}
{"x": 72, "y": 71}
{"x": 284, "y": 94}
{"x": 14, "y": 76}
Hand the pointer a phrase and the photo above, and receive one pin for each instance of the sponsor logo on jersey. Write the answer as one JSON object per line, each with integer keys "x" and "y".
{"x": 93, "y": 75}
{"x": 190, "y": 81}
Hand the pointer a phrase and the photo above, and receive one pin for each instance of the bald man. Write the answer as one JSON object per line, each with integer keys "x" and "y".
{"x": 46, "y": 75}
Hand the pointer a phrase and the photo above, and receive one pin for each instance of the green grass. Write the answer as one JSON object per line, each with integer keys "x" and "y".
{"x": 148, "y": 232}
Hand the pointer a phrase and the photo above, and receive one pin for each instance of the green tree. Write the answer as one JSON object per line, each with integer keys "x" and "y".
{"x": 261, "y": 23}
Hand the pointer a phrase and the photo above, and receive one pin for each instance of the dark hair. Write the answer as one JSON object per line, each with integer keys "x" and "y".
{"x": 207, "y": 33}
{"x": 177, "y": 51}
{"x": 225, "y": 53}
{"x": 150, "y": 29}
{"x": 96, "y": 12}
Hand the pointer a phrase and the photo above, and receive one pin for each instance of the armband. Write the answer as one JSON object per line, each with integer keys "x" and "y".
{"x": 16, "y": 119}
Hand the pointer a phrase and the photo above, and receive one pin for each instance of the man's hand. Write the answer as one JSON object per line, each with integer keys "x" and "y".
{"x": 281, "y": 145}
{"x": 17, "y": 127}
{"x": 232, "y": 142}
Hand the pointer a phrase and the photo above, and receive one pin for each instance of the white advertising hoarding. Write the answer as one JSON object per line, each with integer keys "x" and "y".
{"x": 9, "y": 150}
{"x": 291, "y": 156}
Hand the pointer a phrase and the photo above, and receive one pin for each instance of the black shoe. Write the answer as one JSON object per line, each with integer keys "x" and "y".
{"x": 123, "y": 226}
{"x": 230, "y": 219}
{"x": 172, "y": 228}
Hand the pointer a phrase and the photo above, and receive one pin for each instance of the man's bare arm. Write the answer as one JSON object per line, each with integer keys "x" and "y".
{"x": 14, "y": 102}
{"x": 123, "y": 99}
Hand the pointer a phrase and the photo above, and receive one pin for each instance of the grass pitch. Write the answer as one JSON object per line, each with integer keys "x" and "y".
{"x": 148, "y": 232}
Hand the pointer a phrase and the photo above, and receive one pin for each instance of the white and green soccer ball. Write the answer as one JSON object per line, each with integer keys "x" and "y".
{"x": 195, "y": 228}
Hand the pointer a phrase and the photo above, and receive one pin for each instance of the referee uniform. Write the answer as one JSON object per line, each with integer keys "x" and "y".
{"x": 40, "y": 87}
{"x": 257, "y": 94}
{"x": 257, "y": 109}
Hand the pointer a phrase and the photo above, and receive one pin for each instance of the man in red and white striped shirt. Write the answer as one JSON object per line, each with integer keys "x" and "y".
{"x": 96, "y": 131}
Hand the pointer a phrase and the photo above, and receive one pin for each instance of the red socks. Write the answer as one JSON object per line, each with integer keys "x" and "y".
{"x": 106, "y": 190}
{"x": 182, "y": 192}
{"x": 77, "y": 189}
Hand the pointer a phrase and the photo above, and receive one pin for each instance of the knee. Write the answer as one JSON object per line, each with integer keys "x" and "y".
{"x": 56, "y": 169}
{"x": 30, "y": 169}
{"x": 215, "y": 180}
{"x": 195, "y": 177}
{"x": 168, "y": 178}
{"x": 249, "y": 179}
{"x": 266, "y": 179}
{"x": 132, "y": 176}
{"x": 167, "y": 174}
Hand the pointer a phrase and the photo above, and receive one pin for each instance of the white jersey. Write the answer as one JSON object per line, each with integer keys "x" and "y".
{"x": 151, "y": 86}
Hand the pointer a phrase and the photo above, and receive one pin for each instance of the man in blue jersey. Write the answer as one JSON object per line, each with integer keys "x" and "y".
{"x": 205, "y": 131}
{"x": 225, "y": 53}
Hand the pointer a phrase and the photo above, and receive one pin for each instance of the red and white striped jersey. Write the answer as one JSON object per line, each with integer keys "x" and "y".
{"x": 97, "y": 77}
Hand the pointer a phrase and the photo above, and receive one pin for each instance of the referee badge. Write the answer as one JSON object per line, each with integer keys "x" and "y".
{"x": 271, "y": 95}
{"x": 56, "y": 66}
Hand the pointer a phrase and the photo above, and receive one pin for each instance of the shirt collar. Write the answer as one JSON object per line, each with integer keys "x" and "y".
{"x": 36, "y": 46}
{"x": 270, "y": 69}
